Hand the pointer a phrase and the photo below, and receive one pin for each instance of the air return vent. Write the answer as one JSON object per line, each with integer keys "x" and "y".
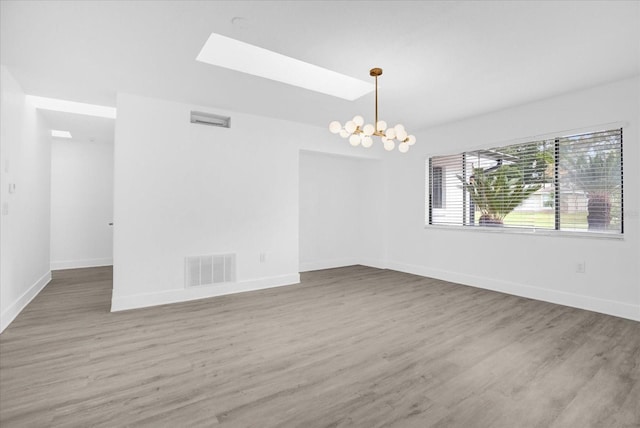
{"x": 210, "y": 119}
{"x": 209, "y": 270}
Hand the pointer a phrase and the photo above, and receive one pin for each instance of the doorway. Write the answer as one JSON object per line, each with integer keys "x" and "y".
{"x": 81, "y": 203}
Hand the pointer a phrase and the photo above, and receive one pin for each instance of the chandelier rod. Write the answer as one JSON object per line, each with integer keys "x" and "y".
{"x": 376, "y": 122}
{"x": 375, "y": 72}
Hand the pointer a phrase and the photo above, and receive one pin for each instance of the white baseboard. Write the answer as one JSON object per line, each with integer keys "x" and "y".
{"x": 609, "y": 307}
{"x": 142, "y": 300}
{"x": 336, "y": 263}
{"x": 326, "y": 264}
{"x": 378, "y": 264}
{"x": 16, "y": 307}
{"x": 76, "y": 264}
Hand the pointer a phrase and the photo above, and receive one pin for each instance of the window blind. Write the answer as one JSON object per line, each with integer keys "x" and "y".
{"x": 590, "y": 182}
{"x": 445, "y": 203}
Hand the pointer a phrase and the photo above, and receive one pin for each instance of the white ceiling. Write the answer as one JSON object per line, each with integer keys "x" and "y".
{"x": 442, "y": 61}
{"x": 83, "y": 128}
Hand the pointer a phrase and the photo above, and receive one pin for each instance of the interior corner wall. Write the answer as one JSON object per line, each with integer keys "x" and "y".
{"x": 529, "y": 265}
{"x": 25, "y": 155}
{"x": 340, "y": 211}
{"x": 183, "y": 189}
{"x": 81, "y": 204}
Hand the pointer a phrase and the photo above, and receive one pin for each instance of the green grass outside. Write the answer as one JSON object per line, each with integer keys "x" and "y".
{"x": 544, "y": 219}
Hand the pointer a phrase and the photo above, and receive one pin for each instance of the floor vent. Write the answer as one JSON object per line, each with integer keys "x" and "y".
{"x": 210, "y": 119}
{"x": 210, "y": 270}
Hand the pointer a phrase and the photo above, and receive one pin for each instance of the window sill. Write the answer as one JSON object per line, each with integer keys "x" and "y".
{"x": 528, "y": 231}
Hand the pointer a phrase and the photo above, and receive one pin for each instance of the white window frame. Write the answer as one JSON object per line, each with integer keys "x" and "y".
{"x": 523, "y": 230}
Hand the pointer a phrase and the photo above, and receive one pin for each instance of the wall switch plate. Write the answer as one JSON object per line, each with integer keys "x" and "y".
{"x": 581, "y": 267}
{"x": 263, "y": 257}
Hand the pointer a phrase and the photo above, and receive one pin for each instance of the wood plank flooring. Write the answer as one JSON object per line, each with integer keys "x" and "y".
{"x": 353, "y": 346}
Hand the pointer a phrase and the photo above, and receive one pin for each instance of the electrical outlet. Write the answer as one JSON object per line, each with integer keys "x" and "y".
{"x": 581, "y": 267}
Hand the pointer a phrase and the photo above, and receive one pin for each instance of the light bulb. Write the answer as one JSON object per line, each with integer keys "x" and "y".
{"x": 399, "y": 127}
{"x": 390, "y": 133}
{"x": 350, "y": 126}
{"x": 368, "y": 129}
{"x": 384, "y": 139}
{"x": 389, "y": 145}
{"x": 358, "y": 120}
{"x": 411, "y": 140}
{"x": 354, "y": 140}
{"x": 344, "y": 133}
{"x": 381, "y": 125}
{"x": 367, "y": 142}
{"x": 401, "y": 135}
{"x": 335, "y": 127}
{"x": 403, "y": 147}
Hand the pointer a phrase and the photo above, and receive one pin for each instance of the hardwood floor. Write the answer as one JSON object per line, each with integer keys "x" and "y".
{"x": 353, "y": 346}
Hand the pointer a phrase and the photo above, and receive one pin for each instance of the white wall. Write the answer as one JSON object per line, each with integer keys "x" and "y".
{"x": 183, "y": 189}
{"x": 340, "y": 213}
{"x": 81, "y": 204}
{"x": 25, "y": 154}
{"x": 540, "y": 267}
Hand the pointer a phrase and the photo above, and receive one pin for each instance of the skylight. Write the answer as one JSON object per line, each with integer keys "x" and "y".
{"x": 60, "y": 134}
{"x": 239, "y": 56}
{"x": 72, "y": 107}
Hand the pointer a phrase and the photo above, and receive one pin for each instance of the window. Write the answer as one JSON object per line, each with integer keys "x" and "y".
{"x": 571, "y": 183}
{"x": 436, "y": 187}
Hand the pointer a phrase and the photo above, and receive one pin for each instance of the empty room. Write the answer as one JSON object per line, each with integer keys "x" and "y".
{"x": 320, "y": 214}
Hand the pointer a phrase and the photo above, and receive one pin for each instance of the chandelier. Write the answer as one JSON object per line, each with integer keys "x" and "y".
{"x": 359, "y": 133}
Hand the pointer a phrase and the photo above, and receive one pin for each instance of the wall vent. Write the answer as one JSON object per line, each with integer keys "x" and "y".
{"x": 210, "y": 119}
{"x": 209, "y": 270}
